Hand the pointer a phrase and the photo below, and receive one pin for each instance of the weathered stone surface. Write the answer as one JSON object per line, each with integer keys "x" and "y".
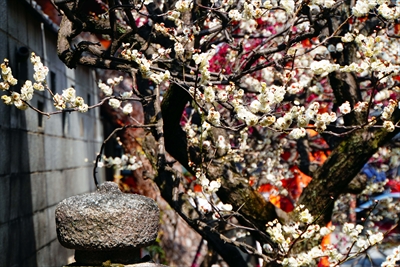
{"x": 107, "y": 220}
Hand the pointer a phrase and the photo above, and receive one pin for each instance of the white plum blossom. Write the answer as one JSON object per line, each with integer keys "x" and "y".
{"x": 7, "y": 99}
{"x": 107, "y": 90}
{"x": 255, "y": 106}
{"x": 27, "y": 91}
{"x": 288, "y": 5}
{"x": 41, "y": 71}
{"x": 127, "y": 109}
{"x": 361, "y": 107}
{"x": 126, "y": 95}
{"x": 345, "y": 108}
{"x": 209, "y": 94}
{"x": 362, "y": 7}
{"x": 69, "y": 94}
{"x": 388, "y": 126}
{"x": 179, "y": 50}
{"x": 298, "y": 133}
{"x": 83, "y": 108}
{"x": 221, "y": 143}
{"x": 392, "y": 258}
{"x": 214, "y": 117}
{"x": 114, "y": 103}
{"x": 183, "y": 5}
{"x": 386, "y": 12}
{"x": 323, "y": 67}
{"x": 235, "y": 15}
{"x": 267, "y": 121}
{"x": 59, "y": 102}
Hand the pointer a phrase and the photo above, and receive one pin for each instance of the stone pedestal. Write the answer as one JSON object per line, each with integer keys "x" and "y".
{"x": 107, "y": 225}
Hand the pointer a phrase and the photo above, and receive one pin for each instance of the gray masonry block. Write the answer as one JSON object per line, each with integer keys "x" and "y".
{"x": 77, "y": 153}
{"x": 27, "y": 236}
{"x": 30, "y": 261}
{"x": 19, "y": 157}
{"x": 4, "y": 232}
{"x": 5, "y": 152}
{"x": 53, "y": 125}
{"x": 34, "y": 41}
{"x": 56, "y": 184}
{"x": 59, "y": 255}
{"x": 78, "y": 181}
{"x": 51, "y": 45}
{"x": 36, "y": 152}
{"x": 43, "y": 256}
{"x": 38, "y": 191}
{"x": 17, "y": 120}
{"x": 5, "y": 110}
{"x": 3, "y": 36}
{"x": 21, "y": 241}
{"x": 54, "y": 153}
{"x": 41, "y": 228}
{"x": 51, "y": 211}
{"x": 5, "y": 201}
{"x": 20, "y": 196}
{"x": 4, "y": 16}
{"x": 31, "y": 117}
{"x": 16, "y": 17}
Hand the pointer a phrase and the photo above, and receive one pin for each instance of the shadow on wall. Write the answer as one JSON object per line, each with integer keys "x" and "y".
{"x": 17, "y": 235}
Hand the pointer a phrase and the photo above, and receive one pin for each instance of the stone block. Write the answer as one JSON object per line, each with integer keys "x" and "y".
{"x": 4, "y": 237}
{"x": 4, "y": 16}
{"x": 107, "y": 224}
{"x": 19, "y": 158}
{"x": 54, "y": 152}
{"x": 27, "y": 236}
{"x": 39, "y": 191}
{"x": 56, "y": 187}
{"x": 59, "y": 255}
{"x": 41, "y": 228}
{"x": 21, "y": 241}
{"x": 43, "y": 256}
{"x": 34, "y": 37}
{"x": 36, "y": 154}
{"x": 5, "y": 110}
{"x": 5, "y": 201}
{"x": 20, "y": 195}
{"x": 53, "y": 125}
{"x": 5, "y": 151}
{"x": 18, "y": 16}
{"x": 31, "y": 117}
{"x": 78, "y": 181}
{"x": 51, "y": 211}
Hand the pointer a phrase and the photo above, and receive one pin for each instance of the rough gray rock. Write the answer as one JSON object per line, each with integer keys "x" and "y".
{"x": 107, "y": 220}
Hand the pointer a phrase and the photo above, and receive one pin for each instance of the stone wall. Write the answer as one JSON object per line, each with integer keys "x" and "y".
{"x": 42, "y": 160}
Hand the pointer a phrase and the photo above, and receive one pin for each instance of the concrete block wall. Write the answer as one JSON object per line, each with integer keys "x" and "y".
{"x": 42, "y": 160}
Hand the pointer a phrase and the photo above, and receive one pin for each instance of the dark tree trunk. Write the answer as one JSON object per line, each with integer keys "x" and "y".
{"x": 343, "y": 164}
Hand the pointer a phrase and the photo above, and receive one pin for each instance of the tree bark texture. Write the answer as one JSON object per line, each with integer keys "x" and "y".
{"x": 342, "y": 165}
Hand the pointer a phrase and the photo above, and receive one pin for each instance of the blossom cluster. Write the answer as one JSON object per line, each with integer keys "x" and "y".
{"x": 19, "y": 100}
{"x": 125, "y": 162}
{"x": 107, "y": 89}
{"x": 302, "y": 229}
{"x": 392, "y": 258}
{"x": 363, "y": 7}
{"x": 69, "y": 99}
{"x": 207, "y": 185}
{"x": 144, "y": 64}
